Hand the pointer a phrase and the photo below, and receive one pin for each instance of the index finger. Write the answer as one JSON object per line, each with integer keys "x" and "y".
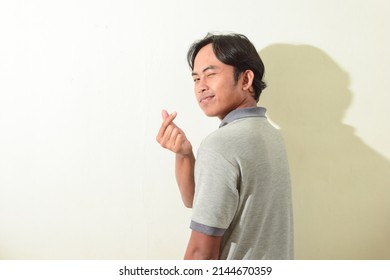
{"x": 167, "y": 121}
{"x": 164, "y": 114}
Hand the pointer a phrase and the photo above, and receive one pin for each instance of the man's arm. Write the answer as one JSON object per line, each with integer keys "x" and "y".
{"x": 173, "y": 138}
{"x": 203, "y": 247}
{"x": 185, "y": 165}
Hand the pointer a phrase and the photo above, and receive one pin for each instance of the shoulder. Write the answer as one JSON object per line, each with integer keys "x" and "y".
{"x": 237, "y": 131}
{"x": 217, "y": 142}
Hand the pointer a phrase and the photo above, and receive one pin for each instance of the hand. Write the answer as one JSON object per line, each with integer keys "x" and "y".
{"x": 171, "y": 137}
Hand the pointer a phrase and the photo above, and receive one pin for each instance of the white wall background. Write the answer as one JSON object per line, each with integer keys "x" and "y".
{"x": 82, "y": 84}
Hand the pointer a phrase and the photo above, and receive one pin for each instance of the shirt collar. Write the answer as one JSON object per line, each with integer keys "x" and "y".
{"x": 243, "y": 113}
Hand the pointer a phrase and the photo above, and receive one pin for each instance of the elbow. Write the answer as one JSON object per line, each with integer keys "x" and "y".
{"x": 187, "y": 200}
{"x": 187, "y": 204}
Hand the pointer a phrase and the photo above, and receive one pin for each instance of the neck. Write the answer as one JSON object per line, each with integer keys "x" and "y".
{"x": 248, "y": 103}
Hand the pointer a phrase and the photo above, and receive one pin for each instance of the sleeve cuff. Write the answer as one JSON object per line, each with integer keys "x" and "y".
{"x": 213, "y": 231}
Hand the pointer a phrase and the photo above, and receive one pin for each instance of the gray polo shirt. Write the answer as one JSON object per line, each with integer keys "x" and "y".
{"x": 242, "y": 188}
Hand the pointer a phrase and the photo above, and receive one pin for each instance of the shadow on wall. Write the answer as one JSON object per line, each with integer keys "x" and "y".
{"x": 341, "y": 187}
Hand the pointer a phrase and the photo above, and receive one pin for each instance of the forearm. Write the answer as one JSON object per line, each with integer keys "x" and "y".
{"x": 185, "y": 177}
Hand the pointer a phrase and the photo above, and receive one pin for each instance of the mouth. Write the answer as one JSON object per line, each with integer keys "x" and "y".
{"x": 206, "y": 99}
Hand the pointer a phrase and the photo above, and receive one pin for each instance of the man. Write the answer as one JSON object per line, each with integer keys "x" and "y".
{"x": 238, "y": 186}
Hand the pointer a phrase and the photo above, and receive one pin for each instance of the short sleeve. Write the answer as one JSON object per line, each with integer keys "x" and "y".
{"x": 216, "y": 193}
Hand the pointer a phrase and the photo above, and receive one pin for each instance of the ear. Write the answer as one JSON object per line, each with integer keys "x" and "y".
{"x": 247, "y": 80}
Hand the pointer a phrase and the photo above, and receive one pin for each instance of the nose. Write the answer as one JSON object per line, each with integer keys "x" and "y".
{"x": 201, "y": 86}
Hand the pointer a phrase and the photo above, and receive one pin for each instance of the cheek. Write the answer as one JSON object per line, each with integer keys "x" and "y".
{"x": 221, "y": 86}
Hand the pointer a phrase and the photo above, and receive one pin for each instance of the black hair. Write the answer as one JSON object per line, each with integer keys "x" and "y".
{"x": 235, "y": 50}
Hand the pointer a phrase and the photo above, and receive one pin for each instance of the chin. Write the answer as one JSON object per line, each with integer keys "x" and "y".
{"x": 209, "y": 113}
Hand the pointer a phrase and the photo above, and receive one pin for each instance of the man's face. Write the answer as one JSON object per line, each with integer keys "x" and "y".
{"x": 215, "y": 89}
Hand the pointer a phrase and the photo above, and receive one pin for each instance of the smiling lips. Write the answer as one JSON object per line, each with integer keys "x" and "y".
{"x": 206, "y": 99}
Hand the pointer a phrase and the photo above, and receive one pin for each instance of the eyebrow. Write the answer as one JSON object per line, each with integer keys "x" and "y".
{"x": 210, "y": 67}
